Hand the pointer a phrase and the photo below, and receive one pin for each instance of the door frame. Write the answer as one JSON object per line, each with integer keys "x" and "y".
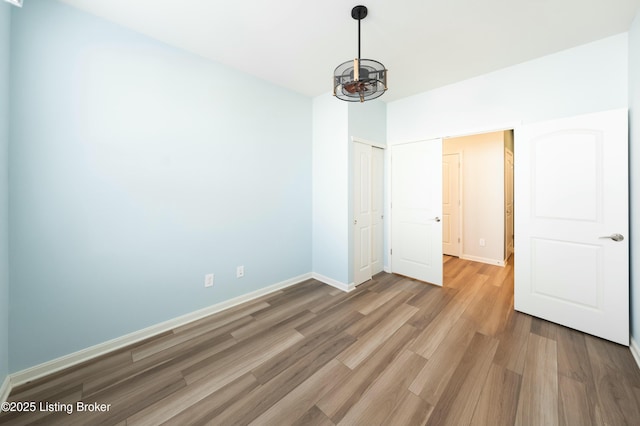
{"x": 455, "y": 133}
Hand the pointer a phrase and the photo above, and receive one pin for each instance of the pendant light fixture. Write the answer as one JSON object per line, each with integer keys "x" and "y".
{"x": 360, "y": 79}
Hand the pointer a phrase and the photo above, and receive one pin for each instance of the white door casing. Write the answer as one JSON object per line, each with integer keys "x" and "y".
{"x": 416, "y": 210}
{"x": 571, "y": 189}
{"x": 451, "y": 204}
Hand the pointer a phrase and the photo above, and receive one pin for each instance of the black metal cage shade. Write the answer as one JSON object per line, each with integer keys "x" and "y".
{"x": 370, "y": 83}
{"x": 361, "y": 79}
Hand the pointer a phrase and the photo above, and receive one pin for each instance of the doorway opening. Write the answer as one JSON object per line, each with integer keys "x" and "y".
{"x": 477, "y": 198}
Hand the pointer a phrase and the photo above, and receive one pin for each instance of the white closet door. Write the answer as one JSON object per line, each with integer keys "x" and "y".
{"x": 362, "y": 212}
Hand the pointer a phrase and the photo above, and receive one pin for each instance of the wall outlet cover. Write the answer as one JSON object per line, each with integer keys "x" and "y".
{"x": 208, "y": 280}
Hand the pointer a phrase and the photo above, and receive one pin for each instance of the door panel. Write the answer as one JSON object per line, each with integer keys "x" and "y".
{"x": 416, "y": 191}
{"x": 362, "y": 212}
{"x": 580, "y": 284}
{"x": 571, "y": 188}
{"x": 575, "y": 179}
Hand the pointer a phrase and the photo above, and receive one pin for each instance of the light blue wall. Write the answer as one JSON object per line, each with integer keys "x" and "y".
{"x": 5, "y": 13}
{"x": 136, "y": 168}
{"x": 368, "y": 120}
{"x": 634, "y": 161}
{"x": 330, "y": 188}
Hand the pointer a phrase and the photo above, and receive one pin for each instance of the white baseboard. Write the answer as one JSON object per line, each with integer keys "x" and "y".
{"x": 333, "y": 283}
{"x": 635, "y": 350}
{"x": 49, "y": 367}
{"x": 5, "y": 389}
{"x": 483, "y": 260}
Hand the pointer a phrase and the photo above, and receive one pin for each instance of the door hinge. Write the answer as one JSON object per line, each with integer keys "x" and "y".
{"x": 391, "y": 251}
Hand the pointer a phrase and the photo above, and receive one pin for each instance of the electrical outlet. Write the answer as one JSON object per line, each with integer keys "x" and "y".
{"x": 240, "y": 272}
{"x": 482, "y": 242}
{"x": 208, "y": 280}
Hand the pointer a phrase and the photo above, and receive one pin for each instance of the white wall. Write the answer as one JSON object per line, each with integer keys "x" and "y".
{"x": 482, "y": 181}
{"x": 634, "y": 184}
{"x": 588, "y": 78}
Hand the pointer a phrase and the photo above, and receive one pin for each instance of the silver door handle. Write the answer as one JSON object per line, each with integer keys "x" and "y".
{"x": 615, "y": 237}
{"x": 437, "y": 219}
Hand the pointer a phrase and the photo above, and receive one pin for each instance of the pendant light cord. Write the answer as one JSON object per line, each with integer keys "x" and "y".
{"x": 359, "y": 41}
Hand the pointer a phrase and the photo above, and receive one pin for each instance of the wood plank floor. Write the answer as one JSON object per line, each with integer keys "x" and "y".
{"x": 393, "y": 352}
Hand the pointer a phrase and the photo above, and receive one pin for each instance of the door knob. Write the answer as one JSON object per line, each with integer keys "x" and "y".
{"x": 615, "y": 237}
{"x": 437, "y": 219}
{"x": 355, "y": 221}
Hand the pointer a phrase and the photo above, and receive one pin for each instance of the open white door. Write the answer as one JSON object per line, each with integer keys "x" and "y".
{"x": 571, "y": 223}
{"x": 416, "y": 209}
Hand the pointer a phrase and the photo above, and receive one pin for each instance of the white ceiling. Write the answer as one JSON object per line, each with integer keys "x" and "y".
{"x": 424, "y": 43}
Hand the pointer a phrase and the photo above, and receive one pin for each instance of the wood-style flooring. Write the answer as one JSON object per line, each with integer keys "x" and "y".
{"x": 393, "y": 352}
